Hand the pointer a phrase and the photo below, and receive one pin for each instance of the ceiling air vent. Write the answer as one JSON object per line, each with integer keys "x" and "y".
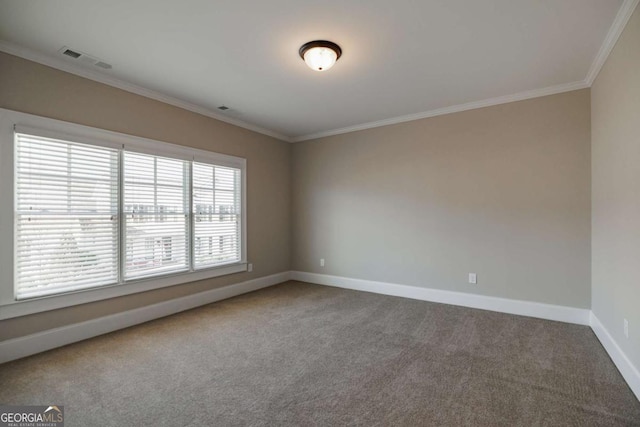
{"x": 71, "y": 53}
{"x": 103, "y": 65}
{"x": 84, "y": 58}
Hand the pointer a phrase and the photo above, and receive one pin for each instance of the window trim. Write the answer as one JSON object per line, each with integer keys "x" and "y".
{"x": 28, "y": 123}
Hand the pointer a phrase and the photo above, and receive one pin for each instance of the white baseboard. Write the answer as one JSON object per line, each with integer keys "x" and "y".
{"x": 560, "y": 313}
{"x": 629, "y": 372}
{"x": 35, "y": 343}
{"x": 578, "y": 316}
{"x": 31, "y": 344}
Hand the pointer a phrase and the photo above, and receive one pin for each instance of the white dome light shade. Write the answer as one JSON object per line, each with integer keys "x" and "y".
{"x": 320, "y": 55}
{"x": 320, "y": 58}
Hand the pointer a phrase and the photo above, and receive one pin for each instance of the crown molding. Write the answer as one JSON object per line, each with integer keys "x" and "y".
{"x": 620, "y": 21}
{"x": 622, "y": 17}
{"x": 535, "y": 93}
{"x": 63, "y": 65}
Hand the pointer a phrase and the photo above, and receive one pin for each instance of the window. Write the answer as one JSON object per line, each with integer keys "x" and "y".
{"x": 89, "y": 214}
{"x": 216, "y": 205}
{"x": 156, "y": 209}
{"x": 66, "y": 233}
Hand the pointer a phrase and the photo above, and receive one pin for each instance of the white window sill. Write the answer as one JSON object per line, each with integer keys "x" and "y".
{"x": 52, "y": 302}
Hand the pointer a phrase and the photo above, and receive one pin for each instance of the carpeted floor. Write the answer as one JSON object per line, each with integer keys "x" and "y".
{"x": 300, "y": 354}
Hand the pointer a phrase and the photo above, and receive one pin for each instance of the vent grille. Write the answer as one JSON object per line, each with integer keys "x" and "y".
{"x": 84, "y": 58}
{"x": 71, "y": 53}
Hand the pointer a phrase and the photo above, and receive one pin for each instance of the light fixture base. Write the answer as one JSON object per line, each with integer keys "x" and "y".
{"x": 316, "y": 55}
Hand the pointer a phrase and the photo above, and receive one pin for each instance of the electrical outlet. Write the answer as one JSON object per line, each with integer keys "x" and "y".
{"x": 321, "y": 262}
{"x": 626, "y": 328}
{"x": 250, "y": 268}
{"x": 473, "y": 279}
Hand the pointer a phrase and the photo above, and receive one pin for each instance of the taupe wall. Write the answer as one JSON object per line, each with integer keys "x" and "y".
{"x": 32, "y": 88}
{"x": 615, "y": 100}
{"x": 502, "y": 191}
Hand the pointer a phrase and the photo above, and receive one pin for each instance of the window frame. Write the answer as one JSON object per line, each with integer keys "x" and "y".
{"x": 13, "y": 121}
{"x": 159, "y": 247}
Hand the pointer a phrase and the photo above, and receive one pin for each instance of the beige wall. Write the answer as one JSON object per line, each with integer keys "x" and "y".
{"x": 615, "y": 100}
{"x": 32, "y": 88}
{"x": 502, "y": 191}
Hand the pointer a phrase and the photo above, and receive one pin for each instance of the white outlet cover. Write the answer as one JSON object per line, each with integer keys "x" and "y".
{"x": 321, "y": 262}
{"x": 626, "y": 328}
{"x": 473, "y": 279}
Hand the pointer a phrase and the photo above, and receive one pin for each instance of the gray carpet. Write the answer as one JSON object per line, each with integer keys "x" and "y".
{"x": 300, "y": 354}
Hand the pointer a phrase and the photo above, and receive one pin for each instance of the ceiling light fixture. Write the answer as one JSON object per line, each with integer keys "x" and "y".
{"x": 320, "y": 55}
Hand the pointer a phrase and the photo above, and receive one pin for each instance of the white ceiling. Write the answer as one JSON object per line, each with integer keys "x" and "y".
{"x": 402, "y": 59}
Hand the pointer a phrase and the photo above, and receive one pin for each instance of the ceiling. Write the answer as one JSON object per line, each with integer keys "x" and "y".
{"x": 402, "y": 59}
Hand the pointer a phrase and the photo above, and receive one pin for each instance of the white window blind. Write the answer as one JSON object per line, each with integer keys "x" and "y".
{"x": 66, "y": 230}
{"x": 217, "y": 215}
{"x": 92, "y": 212}
{"x": 156, "y": 211}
